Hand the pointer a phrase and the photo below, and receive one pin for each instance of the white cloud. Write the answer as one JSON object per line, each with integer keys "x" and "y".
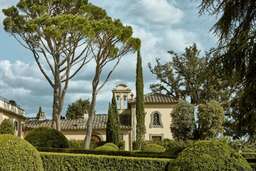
{"x": 178, "y": 39}
{"x": 160, "y": 11}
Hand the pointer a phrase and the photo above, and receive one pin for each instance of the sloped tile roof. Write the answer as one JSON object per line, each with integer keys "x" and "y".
{"x": 157, "y": 98}
{"x": 100, "y": 122}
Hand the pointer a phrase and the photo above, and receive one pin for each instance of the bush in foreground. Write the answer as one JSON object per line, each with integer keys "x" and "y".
{"x": 156, "y": 148}
{"x": 85, "y": 162}
{"x": 17, "y": 154}
{"x": 209, "y": 156}
{"x": 174, "y": 147}
{"x": 47, "y": 137}
{"x": 7, "y": 127}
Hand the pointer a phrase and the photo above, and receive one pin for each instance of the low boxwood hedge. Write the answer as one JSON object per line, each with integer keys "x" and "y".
{"x": 153, "y": 148}
{"x": 106, "y": 148}
{"x": 111, "y": 153}
{"x": 89, "y": 162}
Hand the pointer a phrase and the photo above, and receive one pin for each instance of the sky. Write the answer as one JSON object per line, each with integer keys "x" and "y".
{"x": 162, "y": 25}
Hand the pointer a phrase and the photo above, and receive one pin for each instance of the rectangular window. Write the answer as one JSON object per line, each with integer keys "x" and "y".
{"x": 156, "y": 138}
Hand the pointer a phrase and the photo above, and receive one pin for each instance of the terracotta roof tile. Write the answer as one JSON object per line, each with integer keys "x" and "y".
{"x": 100, "y": 122}
{"x": 156, "y": 98}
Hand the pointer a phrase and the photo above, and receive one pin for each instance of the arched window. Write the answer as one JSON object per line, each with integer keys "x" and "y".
{"x": 156, "y": 120}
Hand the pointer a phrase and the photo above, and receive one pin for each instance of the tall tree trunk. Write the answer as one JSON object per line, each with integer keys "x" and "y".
{"x": 89, "y": 127}
{"x": 90, "y": 120}
{"x": 56, "y": 110}
{"x": 57, "y": 104}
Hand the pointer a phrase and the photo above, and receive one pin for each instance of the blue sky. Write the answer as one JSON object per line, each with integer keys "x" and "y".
{"x": 162, "y": 25}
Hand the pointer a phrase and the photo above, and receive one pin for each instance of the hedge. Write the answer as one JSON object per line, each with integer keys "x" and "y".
{"x": 153, "y": 148}
{"x": 89, "y": 162}
{"x": 17, "y": 154}
{"x": 111, "y": 153}
{"x": 106, "y": 148}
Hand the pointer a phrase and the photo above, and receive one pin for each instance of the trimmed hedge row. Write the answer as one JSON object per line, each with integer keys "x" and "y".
{"x": 89, "y": 162}
{"x": 111, "y": 153}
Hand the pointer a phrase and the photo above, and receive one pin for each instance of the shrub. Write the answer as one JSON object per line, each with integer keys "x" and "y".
{"x": 7, "y": 127}
{"x": 153, "y": 148}
{"x": 209, "y": 156}
{"x": 112, "y": 145}
{"x": 47, "y": 137}
{"x": 76, "y": 143}
{"x": 107, "y": 147}
{"x": 175, "y": 147}
{"x": 18, "y": 154}
{"x": 121, "y": 145}
{"x": 84, "y": 162}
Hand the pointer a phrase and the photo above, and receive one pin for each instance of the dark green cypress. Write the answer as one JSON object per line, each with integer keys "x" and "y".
{"x": 109, "y": 130}
{"x": 140, "y": 113}
{"x": 113, "y": 125}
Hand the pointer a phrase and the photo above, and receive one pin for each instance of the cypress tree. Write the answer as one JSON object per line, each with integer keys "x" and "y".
{"x": 109, "y": 130}
{"x": 112, "y": 131}
{"x": 140, "y": 113}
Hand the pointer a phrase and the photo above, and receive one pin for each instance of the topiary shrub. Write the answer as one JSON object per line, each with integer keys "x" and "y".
{"x": 112, "y": 145}
{"x": 7, "y": 127}
{"x": 209, "y": 156}
{"x": 107, "y": 147}
{"x": 18, "y": 154}
{"x": 47, "y": 137}
{"x": 153, "y": 148}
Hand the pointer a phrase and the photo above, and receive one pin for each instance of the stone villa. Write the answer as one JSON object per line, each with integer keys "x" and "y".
{"x": 158, "y": 110}
{"x": 9, "y": 110}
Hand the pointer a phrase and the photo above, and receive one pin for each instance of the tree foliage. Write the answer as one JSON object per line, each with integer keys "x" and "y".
{"x": 236, "y": 29}
{"x": 140, "y": 112}
{"x": 78, "y": 109}
{"x": 112, "y": 41}
{"x": 210, "y": 120}
{"x": 190, "y": 76}
{"x": 7, "y": 127}
{"x": 58, "y": 33}
{"x": 183, "y": 122}
{"x": 113, "y": 124}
